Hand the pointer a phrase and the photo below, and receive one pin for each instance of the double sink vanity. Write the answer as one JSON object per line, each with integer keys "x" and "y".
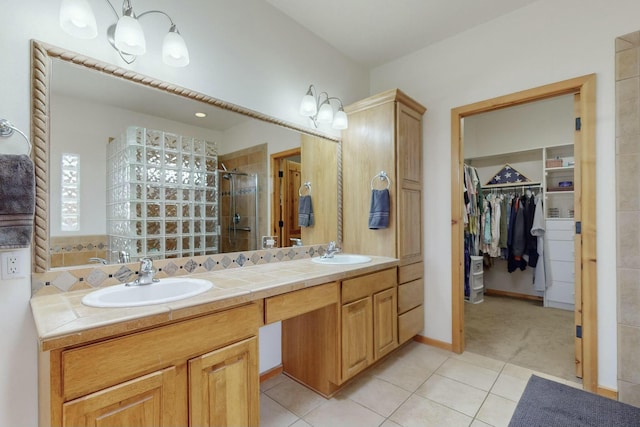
{"x": 194, "y": 361}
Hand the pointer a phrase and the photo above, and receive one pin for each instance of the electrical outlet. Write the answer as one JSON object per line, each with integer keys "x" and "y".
{"x": 11, "y": 265}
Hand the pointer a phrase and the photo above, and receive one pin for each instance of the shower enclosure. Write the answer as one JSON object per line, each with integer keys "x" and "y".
{"x": 238, "y": 210}
{"x": 162, "y": 195}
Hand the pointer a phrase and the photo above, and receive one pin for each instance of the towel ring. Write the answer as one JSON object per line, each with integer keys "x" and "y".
{"x": 306, "y": 186}
{"x": 383, "y": 176}
{"x": 7, "y": 129}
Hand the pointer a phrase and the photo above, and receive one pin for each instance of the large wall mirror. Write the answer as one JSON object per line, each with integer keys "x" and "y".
{"x": 124, "y": 167}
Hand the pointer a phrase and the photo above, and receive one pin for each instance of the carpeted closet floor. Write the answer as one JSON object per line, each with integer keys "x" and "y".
{"x": 523, "y": 333}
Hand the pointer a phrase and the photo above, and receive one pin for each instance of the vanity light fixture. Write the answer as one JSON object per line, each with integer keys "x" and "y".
{"x": 321, "y": 111}
{"x": 126, "y": 35}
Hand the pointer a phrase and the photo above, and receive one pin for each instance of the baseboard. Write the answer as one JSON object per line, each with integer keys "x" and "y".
{"x": 434, "y": 343}
{"x": 498, "y": 293}
{"x": 273, "y": 372}
{"x": 607, "y": 392}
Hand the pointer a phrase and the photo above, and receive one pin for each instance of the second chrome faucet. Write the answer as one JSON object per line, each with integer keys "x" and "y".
{"x": 145, "y": 273}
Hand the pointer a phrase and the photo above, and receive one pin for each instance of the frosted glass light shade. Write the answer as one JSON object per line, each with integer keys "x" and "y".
{"x": 308, "y": 106}
{"x": 174, "y": 50}
{"x": 129, "y": 37}
{"x": 325, "y": 115}
{"x": 77, "y": 19}
{"x": 340, "y": 120}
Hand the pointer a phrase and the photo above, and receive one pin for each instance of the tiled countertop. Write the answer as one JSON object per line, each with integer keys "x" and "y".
{"x": 62, "y": 320}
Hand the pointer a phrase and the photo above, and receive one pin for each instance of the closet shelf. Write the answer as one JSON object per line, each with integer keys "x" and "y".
{"x": 560, "y": 168}
{"x": 549, "y": 192}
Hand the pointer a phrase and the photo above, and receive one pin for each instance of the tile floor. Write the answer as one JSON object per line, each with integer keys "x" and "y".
{"x": 419, "y": 385}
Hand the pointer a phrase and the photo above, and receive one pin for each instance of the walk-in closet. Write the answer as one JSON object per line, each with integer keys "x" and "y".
{"x": 519, "y": 252}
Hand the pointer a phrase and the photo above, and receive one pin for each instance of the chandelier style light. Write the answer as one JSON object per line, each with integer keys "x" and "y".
{"x": 126, "y": 35}
{"x": 320, "y": 110}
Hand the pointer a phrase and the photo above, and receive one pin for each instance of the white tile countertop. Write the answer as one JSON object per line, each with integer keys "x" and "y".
{"x": 62, "y": 320}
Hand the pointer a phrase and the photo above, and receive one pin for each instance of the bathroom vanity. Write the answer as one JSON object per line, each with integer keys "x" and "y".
{"x": 195, "y": 361}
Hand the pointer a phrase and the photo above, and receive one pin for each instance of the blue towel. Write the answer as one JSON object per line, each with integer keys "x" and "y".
{"x": 305, "y": 211}
{"x": 379, "y": 212}
{"x": 17, "y": 201}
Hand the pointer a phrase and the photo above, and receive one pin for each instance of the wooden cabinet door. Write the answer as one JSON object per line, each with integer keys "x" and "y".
{"x": 409, "y": 167}
{"x": 385, "y": 322}
{"x": 146, "y": 401}
{"x": 357, "y": 337}
{"x": 223, "y": 386}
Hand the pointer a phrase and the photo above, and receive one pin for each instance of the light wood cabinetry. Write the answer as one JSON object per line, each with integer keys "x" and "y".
{"x": 369, "y": 320}
{"x": 326, "y": 347}
{"x": 139, "y": 402}
{"x": 357, "y": 336}
{"x": 223, "y": 386}
{"x": 385, "y": 134}
{"x": 198, "y": 371}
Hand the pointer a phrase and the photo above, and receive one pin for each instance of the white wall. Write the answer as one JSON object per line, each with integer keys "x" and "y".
{"x": 243, "y": 52}
{"x": 545, "y": 42}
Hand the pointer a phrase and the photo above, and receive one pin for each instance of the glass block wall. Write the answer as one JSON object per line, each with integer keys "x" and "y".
{"x": 162, "y": 195}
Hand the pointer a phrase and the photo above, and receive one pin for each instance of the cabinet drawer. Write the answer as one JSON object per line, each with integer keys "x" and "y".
{"x": 410, "y": 323}
{"x": 476, "y": 281}
{"x": 561, "y": 250}
{"x": 292, "y": 304}
{"x": 562, "y": 271}
{"x": 559, "y": 225}
{"x": 97, "y": 366}
{"x": 560, "y": 292}
{"x": 564, "y": 235}
{"x": 363, "y": 286}
{"x": 410, "y": 272}
{"x": 410, "y": 295}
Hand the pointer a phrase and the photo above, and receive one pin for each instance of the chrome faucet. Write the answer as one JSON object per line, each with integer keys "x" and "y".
{"x": 296, "y": 242}
{"x": 100, "y": 260}
{"x": 123, "y": 256}
{"x": 145, "y": 274}
{"x": 331, "y": 250}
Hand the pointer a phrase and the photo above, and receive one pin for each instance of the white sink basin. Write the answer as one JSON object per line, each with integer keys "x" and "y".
{"x": 166, "y": 290}
{"x": 342, "y": 259}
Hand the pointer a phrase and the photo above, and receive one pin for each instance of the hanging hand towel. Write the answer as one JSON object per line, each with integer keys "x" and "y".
{"x": 17, "y": 201}
{"x": 305, "y": 211}
{"x": 379, "y": 211}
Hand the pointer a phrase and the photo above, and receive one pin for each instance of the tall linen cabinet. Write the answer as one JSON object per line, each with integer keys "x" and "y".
{"x": 385, "y": 136}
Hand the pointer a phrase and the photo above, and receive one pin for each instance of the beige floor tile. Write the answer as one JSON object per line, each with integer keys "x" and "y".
{"x": 405, "y": 375}
{"x": 453, "y": 394}
{"x": 423, "y": 356}
{"x": 378, "y": 395}
{"x": 300, "y": 423}
{"x": 509, "y": 387}
{"x": 483, "y": 361}
{"x": 274, "y": 415}
{"x": 496, "y": 411}
{"x": 271, "y": 382}
{"x": 418, "y": 411}
{"x": 345, "y": 412}
{"x": 524, "y": 373}
{"x": 478, "y": 423}
{"x": 389, "y": 423}
{"x": 517, "y": 371}
{"x": 295, "y": 397}
{"x": 468, "y": 373}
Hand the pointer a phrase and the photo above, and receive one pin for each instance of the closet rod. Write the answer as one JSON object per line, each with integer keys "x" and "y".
{"x": 513, "y": 185}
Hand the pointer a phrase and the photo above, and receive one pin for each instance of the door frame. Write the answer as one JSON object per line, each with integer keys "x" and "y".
{"x": 276, "y": 158}
{"x": 585, "y": 155}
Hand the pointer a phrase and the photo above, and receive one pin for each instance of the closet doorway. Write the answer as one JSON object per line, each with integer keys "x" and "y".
{"x": 583, "y": 88}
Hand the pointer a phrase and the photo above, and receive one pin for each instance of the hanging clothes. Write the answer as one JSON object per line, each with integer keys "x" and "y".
{"x": 538, "y": 230}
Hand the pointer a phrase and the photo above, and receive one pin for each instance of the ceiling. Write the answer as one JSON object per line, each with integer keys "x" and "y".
{"x": 373, "y": 32}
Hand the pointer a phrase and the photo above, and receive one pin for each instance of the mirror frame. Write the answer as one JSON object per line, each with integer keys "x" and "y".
{"x": 42, "y": 55}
